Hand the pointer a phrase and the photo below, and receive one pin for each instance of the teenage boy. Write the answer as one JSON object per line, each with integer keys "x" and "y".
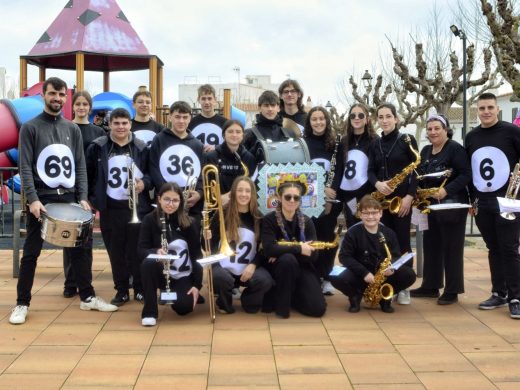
{"x": 110, "y": 161}
{"x": 362, "y": 251}
{"x": 291, "y": 102}
{"x": 207, "y": 126}
{"x": 143, "y": 126}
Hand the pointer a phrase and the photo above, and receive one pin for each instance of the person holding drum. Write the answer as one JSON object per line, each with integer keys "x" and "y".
{"x": 144, "y": 126}
{"x": 292, "y": 266}
{"x": 291, "y": 102}
{"x": 117, "y": 166}
{"x": 207, "y": 126}
{"x": 52, "y": 169}
{"x": 169, "y": 230}
{"x": 351, "y": 179}
{"x": 390, "y": 159}
{"x": 81, "y": 107}
{"x": 242, "y": 221}
{"x": 323, "y": 148}
{"x": 231, "y": 157}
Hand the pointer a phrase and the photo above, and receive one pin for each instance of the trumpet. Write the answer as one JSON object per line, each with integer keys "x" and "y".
{"x": 512, "y": 191}
{"x": 191, "y": 182}
{"x": 132, "y": 193}
{"x": 318, "y": 245}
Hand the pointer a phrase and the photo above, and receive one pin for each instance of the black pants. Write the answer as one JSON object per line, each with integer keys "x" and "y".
{"x": 501, "y": 238}
{"x": 353, "y": 285}
{"x": 31, "y": 251}
{"x": 401, "y": 227}
{"x": 295, "y": 285}
{"x": 120, "y": 238}
{"x": 70, "y": 277}
{"x": 325, "y": 230}
{"x": 153, "y": 279}
{"x": 252, "y": 296}
{"x": 444, "y": 250}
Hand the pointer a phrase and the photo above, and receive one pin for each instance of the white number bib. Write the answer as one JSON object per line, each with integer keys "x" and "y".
{"x": 245, "y": 252}
{"x": 489, "y": 168}
{"x": 117, "y": 183}
{"x": 182, "y": 266}
{"x": 325, "y": 163}
{"x": 208, "y": 134}
{"x": 145, "y": 135}
{"x": 56, "y": 166}
{"x": 175, "y": 162}
{"x": 355, "y": 173}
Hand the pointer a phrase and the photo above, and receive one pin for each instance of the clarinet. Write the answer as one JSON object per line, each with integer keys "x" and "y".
{"x": 164, "y": 247}
{"x": 330, "y": 177}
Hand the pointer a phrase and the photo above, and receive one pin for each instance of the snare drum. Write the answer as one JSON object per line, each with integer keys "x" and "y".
{"x": 290, "y": 151}
{"x": 66, "y": 225}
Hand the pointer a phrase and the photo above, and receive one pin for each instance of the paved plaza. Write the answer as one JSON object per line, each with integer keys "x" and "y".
{"x": 420, "y": 346}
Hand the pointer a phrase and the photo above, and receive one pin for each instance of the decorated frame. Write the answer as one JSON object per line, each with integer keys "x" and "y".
{"x": 311, "y": 204}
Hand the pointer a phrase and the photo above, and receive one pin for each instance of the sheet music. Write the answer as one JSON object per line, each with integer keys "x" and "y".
{"x": 211, "y": 259}
{"x": 337, "y": 270}
{"x": 400, "y": 261}
{"x": 449, "y": 206}
{"x": 155, "y": 256}
{"x": 508, "y": 205}
{"x": 352, "y": 205}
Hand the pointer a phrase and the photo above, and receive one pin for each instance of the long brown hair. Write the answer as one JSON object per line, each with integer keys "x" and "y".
{"x": 330, "y": 136}
{"x": 183, "y": 218}
{"x": 232, "y": 215}
{"x": 349, "y": 132}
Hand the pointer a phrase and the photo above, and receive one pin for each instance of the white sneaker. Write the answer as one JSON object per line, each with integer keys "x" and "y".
{"x": 403, "y": 298}
{"x": 148, "y": 321}
{"x": 97, "y": 303}
{"x": 18, "y": 314}
{"x": 327, "y": 288}
{"x": 236, "y": 293}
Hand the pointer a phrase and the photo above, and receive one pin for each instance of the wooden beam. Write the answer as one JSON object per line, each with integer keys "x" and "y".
{"x": 227, "y": 103}
{"x": 42, "y": 74}
{"x": 23, "y": 75}
{"x": 153, "y": 83}
{"x": 160, "y": 81}
{"x": 80, "y": 71}
{"x": 106, "y": 81}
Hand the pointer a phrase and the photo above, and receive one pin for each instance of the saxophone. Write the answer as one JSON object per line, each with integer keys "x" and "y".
{"x": 319, "y": 245}
{"x": 379, "y": 289}
{"x": 421, "y": 198}
{"x": 394, "y": 204}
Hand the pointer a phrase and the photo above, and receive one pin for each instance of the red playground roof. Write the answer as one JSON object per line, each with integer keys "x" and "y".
{"x": 100, "y": 30}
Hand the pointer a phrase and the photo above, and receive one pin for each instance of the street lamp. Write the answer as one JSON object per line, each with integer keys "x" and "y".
{"x": 460, "y": 33}
{"x": 367, "y": 83}
{"x": 328, "y": 106}
{"x": 237, "y": 69}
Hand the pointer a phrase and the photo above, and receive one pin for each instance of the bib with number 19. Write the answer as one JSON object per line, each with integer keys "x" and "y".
{"x": 55, "y": 166}
{"x": 175, "y": 162}
{"x": 245, "y": 252}
{"x": 489, "y": 168}
{"x": 355, "y": 173}
{"x": 208, "y": 134}
{"x": 182, "y": 266}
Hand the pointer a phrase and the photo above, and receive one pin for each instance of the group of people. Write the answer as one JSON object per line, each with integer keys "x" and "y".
{"x": 373, "y": 179}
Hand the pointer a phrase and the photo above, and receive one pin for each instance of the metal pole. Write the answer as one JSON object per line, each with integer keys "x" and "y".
{"x": 464, "y": 89}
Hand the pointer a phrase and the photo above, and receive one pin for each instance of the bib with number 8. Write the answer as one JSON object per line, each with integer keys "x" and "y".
{"x": 355, "y": 173}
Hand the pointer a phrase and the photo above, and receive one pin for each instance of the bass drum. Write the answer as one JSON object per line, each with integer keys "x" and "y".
{"x": 291, "y": 151}
{"x": 66, "y": 225}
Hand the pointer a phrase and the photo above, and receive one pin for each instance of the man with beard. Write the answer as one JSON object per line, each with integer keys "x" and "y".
{"x": 52, "y": 169}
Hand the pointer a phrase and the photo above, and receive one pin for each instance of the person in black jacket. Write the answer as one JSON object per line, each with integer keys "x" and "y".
{"x": 362, "y": 252}
{"x": 109, "y": 162}
{"x": 291, "y": 102}
{"x": 242, "y": 221}
{"x": 297, "y": 283}
{"x": 323, "y": 145}
{"x": 388, "y": 156}
{"x": 230, "y": 157}
{"x": 494, "y": 149}
{"x": 444, "y": 238}
{"x": 143, "y": 126}
{"x": 181, "y": 239}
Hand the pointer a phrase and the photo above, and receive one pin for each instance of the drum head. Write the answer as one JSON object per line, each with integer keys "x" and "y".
{"x": 68, "y": 212}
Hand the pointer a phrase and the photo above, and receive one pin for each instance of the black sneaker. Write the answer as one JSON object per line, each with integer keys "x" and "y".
{"x": 120, "y": 299}
{"x": 139, "y": 297}
{"x": 386, "y": 305}
{"x": 447, "y": 299}
{"x": 422, "y": 292}
{"x": 493, "y": 302}
{"x": 355, "y": 306}
{"x": 514, "y": 309}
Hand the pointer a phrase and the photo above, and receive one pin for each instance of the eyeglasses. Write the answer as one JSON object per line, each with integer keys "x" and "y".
{"x": 359, "y": 115}
{"x": 289, "y": 197}
{"x": 170, "y": 201}
{"x": 289, "y": 91}
{"x": 370, "y": 213}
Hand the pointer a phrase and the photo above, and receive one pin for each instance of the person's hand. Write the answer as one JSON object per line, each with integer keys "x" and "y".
{"x": 225, "y": 199}
{"x": 85, "y": 205}
{"x": 406, "y": 205}
{"x": 139, "y": 186}
{"x": 195, "y": 292}
{"x": 306, "y": 248}
{"x": 330, "y": 193}
{"x": 389, "y": 272}
{"x": 248, "y": 273}
{"x": 369, "y": 278}
{"x": 441, "y": 194}
{"x": 208, "y": 148}
{"x": 36, "y": 208}
{"x": 193, "y": 198}
{"x": 161, "y": 251}
{"x": 206, "y": 233}
{"x": 383, "y": 187}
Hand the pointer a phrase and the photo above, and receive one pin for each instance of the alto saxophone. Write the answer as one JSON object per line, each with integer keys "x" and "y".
{"x": 394, "y": 204}
{"x": 421, "y": 201}
{"x": 319, "y": 245}
{"x": 379, "y": 289}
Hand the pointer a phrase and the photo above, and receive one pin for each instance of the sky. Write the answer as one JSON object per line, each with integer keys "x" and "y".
{"x": 318, "y": 42}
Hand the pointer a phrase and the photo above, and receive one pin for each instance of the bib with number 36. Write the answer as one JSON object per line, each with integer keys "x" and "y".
{"x": 56, "y": 166}
{"x": 175, "y": 164}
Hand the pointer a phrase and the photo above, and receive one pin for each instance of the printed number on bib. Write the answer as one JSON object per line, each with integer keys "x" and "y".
{"x": 55, "y": 166}
{"x": 208, "y": 134}
{"x": 355, "y": 173}
{"x": 145, "y": 135}
{"x": 245, "y": 252}
{"x": 182, "y": 266}
{"x": 117, "y": 183}
{"x": 175, "y": 164}
{"x": 490, "y": 169}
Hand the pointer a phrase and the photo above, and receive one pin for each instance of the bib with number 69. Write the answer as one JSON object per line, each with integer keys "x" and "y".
{"x": 56, "y": 166}
{"x": 175, "y": 163}
{"x": 182, "y": 266}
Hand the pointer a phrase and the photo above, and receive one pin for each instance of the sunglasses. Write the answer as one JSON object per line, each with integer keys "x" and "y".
{"x": 360, "y": 115}
{"x": 289, "y": 197}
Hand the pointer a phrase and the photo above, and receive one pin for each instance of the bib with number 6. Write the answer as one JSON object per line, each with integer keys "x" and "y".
{"x": 182, "y": 266}
{"x": 489, "y": 168}
{"x": 117, "y": 183}
{"x": 175, "y": 162}
{"x": 56, "y": 167}
{"x": 245, "y": 253}
{"x": 355, "y": 173}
